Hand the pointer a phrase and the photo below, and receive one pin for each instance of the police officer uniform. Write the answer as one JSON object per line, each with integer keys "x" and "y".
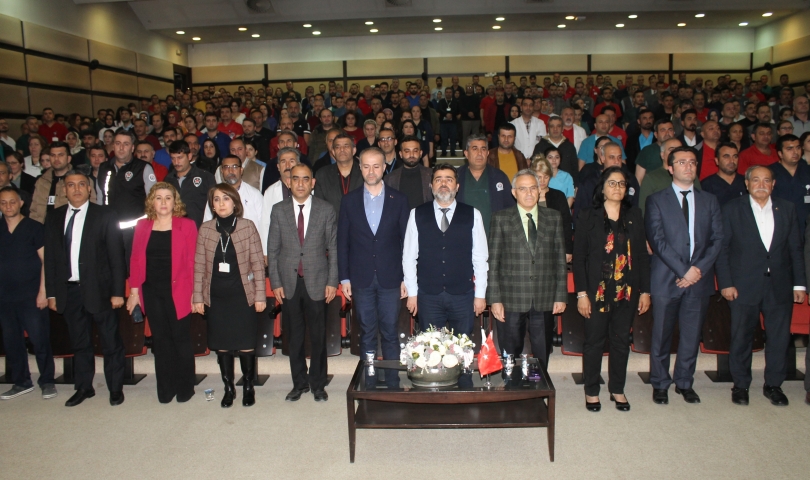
{"x": 193, "y": 188}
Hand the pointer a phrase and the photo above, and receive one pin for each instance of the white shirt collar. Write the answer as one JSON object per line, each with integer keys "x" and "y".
{"x": 755, "y": 205}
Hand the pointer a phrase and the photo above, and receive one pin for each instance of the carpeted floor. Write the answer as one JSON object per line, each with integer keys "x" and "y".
{"x": 308, "y": 440}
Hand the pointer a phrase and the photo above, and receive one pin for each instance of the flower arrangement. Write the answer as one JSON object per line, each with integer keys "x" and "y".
{"x": 437, "y": 348}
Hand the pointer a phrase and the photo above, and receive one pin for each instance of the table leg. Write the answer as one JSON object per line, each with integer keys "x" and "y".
{"x": 551, "y": 402}
{"x": 352, "y": 427}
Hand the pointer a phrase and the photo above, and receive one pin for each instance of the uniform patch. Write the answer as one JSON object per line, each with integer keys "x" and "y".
{"x": 631, "y": 191}
{"x": 152, "y": 177}
{"x": 499, "y": 186}
{"x": 197, "y": 181}
{"x": 128, "y": 176}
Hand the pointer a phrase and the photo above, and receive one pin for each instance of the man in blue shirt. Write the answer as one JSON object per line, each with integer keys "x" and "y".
{"x": 586, "y": 149}
{"x": 792, "y": 176}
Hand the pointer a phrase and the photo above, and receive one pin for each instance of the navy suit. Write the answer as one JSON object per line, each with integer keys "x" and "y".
{"x": 668, "y": 236}
{"x": 373, "y": 264}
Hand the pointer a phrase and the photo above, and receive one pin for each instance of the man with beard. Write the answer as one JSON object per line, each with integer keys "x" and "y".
{"x": 639, "y": 136}
{"x": 445, "y": 258}
{"x": 650, "y": 156}
{"x": 413, "y": 179}
{"x": 191, "y": 181}
{"x": 706, "y": 149}
{"x": 261, "y": 143}
{"x": 221, "y": 139}
{"x": 252, "y": 200}
{"x": 318, "y": 136}
{"x": 252, "y": 172}
{"x": 370, "y": 234}
{"x": 689, "y": 137}
{"x": 145, "y": 152}
{"x": 299, "y": 125}
{"x": 140, "y": 129}
{"x": 791, "y": 175}
{"x": 506, "y": 157}
{"x": 726, "y": 184}
{"x": 288, "y": 157}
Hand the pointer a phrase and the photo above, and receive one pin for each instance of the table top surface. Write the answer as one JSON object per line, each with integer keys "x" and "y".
{"x": 470, "y": 383}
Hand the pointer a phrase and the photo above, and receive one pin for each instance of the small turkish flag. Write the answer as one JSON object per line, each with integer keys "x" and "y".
{"x": 488, "y": 359}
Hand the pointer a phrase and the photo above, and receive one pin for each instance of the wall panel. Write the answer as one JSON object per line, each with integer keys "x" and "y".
{"x": 227, "y": 73}
{"x": 762, "y": 56}
{"x": 54, "y": 72}
{"x": 114, "y": 82}
{"x": 471, "y": 65}
{"x": 384, "y": 67}
{"x": 792, "y": 49}
{"x": 636, "y": 61}
{"x": 155, "y": 66}
{"x": 13, "y": 64}
{"x": 52, "y": 41}
{"x": 15, "y": 100}
{"x": 148, "y": 87}
{"x": 11, "y": 31}
{"x": 283, "y": 71}
{"x": 113, "y": 56}
{"x": 711, "y": 61}
{"x": 60, "y": 102}
{"x": 798, "y": 72}
{"x": 548, "y": 63}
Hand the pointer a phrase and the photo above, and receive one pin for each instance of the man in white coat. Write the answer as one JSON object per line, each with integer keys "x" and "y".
{"x": 288, "y": 157}
{"x": 231, "y": 171}
{"x": 529, "y": 129}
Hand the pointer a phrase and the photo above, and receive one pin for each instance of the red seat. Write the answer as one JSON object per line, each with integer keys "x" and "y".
{"x": 800, "y": 323}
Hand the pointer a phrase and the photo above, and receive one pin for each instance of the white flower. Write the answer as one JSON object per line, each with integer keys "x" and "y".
{"x": 421, "y": 362}
{"x": 434, "y": 359}
{"x": 450, "y": 361}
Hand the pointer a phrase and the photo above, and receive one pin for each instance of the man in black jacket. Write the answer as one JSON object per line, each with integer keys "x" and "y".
{"x": 448, "y": 114}
{"x": 85, "y": 275}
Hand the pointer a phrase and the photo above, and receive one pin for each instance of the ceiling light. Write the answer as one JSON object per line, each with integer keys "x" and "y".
{"x": 619, "y": 25}
{"x": 316, "y": 32}
{"x": 767, "y": 14}
{"x": 570, "y": 17}
{"x": 373, "y": 30}
{"x": 743, "y": 24}
{"x": 196, "y": 39}
{"x": 632, "y": 16}
{"x": 307, "y": 25}
{"x": 243, "y": 29}
{"x": 700, "y": 15}
{"x": 255, "y": 35}
{"x": 562, "y": 25}
{"x": 369, "y": 23}
{"x": 496, "y": 27}
{"x": 499, "y": 19}
{"x": 180, "y": 32}
{"x": 681, "y": 24}
{"x": 438, "y": 29}
{"x": 437, "y": 20}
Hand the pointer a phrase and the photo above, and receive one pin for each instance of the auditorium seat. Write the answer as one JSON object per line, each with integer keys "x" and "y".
{"x": 337, "y": 311}
{"x": 799, "y": 326}
{"x": 134, "y": 338}
{"x": 199, "y": 340}
{"x": 265, "y": 339}
{"x": 716, "y": 337}
{"x": 641, "y": 338}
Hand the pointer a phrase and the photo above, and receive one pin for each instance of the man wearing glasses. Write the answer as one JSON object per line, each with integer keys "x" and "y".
{"x": 388, "y": 143}
{"x": 252, "y": 199}
{"x": 685, "y": 233}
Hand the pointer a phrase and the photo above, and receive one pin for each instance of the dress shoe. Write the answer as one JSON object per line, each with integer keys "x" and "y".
{"x": 295, "y": 394}
{"x": 593, "y": 406}
{"x": 321, "y": 396}
{"x": 79, "y": 397}
{"x": 775, "y": 395}
{"x": 116, "y": 398}
{"x": 807, "y": 398}
{"x": 660, "y": 396}
{"x": 739, "y": 396}
{"x": 620, "y": 406}
{"x": 689, "y": 395}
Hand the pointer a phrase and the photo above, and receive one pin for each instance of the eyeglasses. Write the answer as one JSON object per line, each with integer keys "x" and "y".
{"x": 684, "y": 163}
{"x": 386, "y": 139}
{"x": 231, "y": 167}
{"x": 617, "y": 183}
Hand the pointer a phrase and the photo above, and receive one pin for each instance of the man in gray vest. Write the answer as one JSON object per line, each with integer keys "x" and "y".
{"x": 445, "y": 258}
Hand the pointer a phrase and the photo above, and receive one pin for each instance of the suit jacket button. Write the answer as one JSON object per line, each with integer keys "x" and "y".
{"x": 532, "y": 262}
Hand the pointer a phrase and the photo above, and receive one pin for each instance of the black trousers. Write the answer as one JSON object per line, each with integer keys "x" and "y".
{"x": 744, "y": 319}
{"x": 617, "y": 323}
{"x": 19, "y": 316}
{"x": 299, "y": 313}
{"x": 171, "y": 345}
{"x": 512, "y": 333}
{"x": 80, "y": 327}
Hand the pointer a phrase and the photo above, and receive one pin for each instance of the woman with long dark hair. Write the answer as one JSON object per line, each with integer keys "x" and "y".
{"x": 612, "y": 280}
{"x": 210, "y": 157}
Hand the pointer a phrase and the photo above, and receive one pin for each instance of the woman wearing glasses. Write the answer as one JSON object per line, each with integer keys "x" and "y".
{"x": 612, "y": 280}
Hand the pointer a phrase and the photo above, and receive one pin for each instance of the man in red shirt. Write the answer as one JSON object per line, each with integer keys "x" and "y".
{"x": 615, "y": 130}
{"x": 228, "y": 126}
{"x": 607, "y": 99}
{"x": 761, "y": 152}
{"x": 51, "y": 130}
{"x": 711, "y": 138}
{"x": 699, "y": 102}
{"x": 139, "y": 127}
{"x": 489, "y": 99}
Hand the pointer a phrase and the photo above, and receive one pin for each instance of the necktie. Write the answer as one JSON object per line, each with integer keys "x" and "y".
{"x": 445, "y": 223}
{"x": 685, "y": 207}
{"x": 532, "y": 232}
{"x": 69, "y": 240}
{"x": 301, "y": 238}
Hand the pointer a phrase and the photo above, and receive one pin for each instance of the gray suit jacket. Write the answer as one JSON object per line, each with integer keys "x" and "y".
{"x": 328, "y": 186}
{"x": 521, "y": 275}
{"x": 318, "y": 254}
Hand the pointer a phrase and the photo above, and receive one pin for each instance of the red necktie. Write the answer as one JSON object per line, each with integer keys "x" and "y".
{"x": 301, "y": 238}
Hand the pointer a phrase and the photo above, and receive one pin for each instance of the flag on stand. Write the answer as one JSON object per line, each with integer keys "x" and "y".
{"x": 488, "y": 359}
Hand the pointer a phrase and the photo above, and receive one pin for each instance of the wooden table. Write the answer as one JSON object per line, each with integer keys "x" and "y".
{"x": 514, "y": 403}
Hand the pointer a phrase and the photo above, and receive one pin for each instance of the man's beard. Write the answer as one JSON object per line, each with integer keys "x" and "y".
{"x": 410, "y": 162}
{"x": 231, "y": 179}
{"x": 444, "y": 196}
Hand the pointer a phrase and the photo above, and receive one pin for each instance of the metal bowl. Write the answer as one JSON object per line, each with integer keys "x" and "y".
{"x": 435, "y": 377}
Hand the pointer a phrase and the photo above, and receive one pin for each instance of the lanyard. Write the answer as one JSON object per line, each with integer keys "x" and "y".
{"x": 344, "y": 185}
{"x": 229, "y": 238}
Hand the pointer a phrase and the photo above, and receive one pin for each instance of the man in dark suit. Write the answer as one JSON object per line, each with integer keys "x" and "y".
{"x": 85, "y": 277}
{"x": 335, "y": 181}
{"x": 371, "y": 231}
{"x": 304, "y": 277}
{"x": 527, "y": 274}
{"x": 685, "y": 231}
{"x": 760, "y": 270}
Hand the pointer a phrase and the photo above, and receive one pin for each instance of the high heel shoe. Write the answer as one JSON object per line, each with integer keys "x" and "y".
{"x": 593, "y": 407}
{"x": 621, "y": 406}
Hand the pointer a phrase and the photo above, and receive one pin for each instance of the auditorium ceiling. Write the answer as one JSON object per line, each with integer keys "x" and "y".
{"x": 215, "y": 21}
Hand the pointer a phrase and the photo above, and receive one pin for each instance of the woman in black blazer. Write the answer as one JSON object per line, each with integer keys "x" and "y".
{"x": 554, "y": 199}
{"x": 612, "y": 280}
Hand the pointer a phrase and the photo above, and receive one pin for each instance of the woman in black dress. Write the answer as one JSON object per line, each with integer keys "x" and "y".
{"x": 612, "y": 280}
{"x": 229, "y": 287}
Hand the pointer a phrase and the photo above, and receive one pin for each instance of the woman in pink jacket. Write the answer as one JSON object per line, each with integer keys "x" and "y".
{"x": 161, "y": 282}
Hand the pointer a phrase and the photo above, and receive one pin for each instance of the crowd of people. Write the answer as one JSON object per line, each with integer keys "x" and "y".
{"x": 657, "y": 194}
